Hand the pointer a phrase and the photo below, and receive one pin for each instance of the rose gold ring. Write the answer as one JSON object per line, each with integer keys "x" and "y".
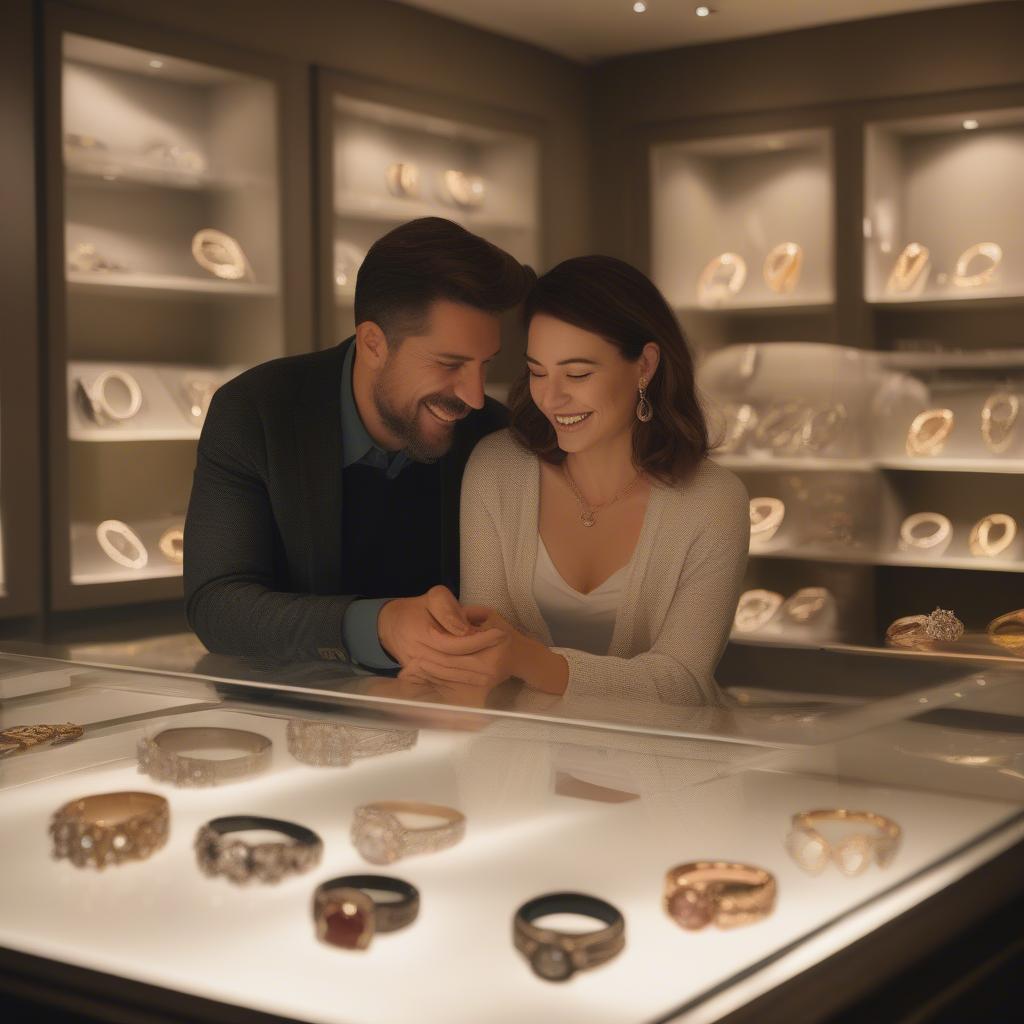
{"x": 718, "y": 892}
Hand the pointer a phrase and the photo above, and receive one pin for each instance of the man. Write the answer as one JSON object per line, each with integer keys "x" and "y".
{"x": 323, "y": 521}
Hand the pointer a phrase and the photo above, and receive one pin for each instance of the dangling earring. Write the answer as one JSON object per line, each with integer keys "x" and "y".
{"x": 644, "y": 409}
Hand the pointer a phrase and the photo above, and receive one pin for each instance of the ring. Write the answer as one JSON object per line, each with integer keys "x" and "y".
{"x": 807, "y": 604}
{"x": 755, "y": 609}
{"x": 403, "y": 179}
{"x": 242, "y": 862}
{"x": 782, "y": 267}
{"x": 766, "y": 516}
{"x": 172, "y": 545}
{"x": 97, "y": 403}
{"x": 996, "y": 425}
{"x": 990, "y": 251}
{"x": 981, "y": 542}
{"x": 346, "y": 916}
{"x": 910, "y": 270}
{"x": 110, "y": 828}
{"x": 556, "y": 955}
{"x": 220, "y": 254}
{"x": 727, "y": 895}
{"x": 122, "y": 544}
{"x": 1013, "y": 638}
{"x": 920, "y": 630}
{"x": 938, "y": 538}
{"x": 464, "y": 189}
{"x": 381, "y": 838}
{"x": 722, "y": 278}
{"x": 929, "y": 431}
{"x": 330, "y": 745}
{"x": 163, "y": 756}
{"x": 809, "y": 848}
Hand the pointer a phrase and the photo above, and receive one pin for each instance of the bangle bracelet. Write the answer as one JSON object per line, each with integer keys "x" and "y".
{"x": 122, "y": 544}
{"x": 556, "y": 955}
{"x": 110, "y": 828}
{"x": 242, "y": 862}
{"x": 998, "y": 418}
{"x": 722, "y": 278}
{"x": 809, "y": 848}
{"x": 163, "y": 756}
{"x": 981, "y": 542}
{"x": 716, "y": 891}
{"x": 929, "y": 432}
{"x": 936, "y": 540}
{"x": 97, "y": 402}
{"x": 782, "y": 267}
{"x": 910, "y": 272}
{"x": 348, "y": 917}
{"x": 991, "y": 251}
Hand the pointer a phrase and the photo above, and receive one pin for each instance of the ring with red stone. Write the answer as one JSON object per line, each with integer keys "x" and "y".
{"x": 852, "y": 855}
{"x": 348, "y": 916}
{"x": 728, "y": 895}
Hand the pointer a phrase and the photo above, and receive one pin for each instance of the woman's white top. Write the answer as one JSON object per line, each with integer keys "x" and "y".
{"x": 583, "y": 621}
{"x": 676, "y": 606}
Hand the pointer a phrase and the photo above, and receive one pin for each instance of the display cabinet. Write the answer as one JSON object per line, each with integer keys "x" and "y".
{"x": 389, "y": 156}
{"x": 166, "y": 222}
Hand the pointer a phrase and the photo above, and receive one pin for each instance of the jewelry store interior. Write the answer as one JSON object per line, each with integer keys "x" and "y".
{"x": 830, "y": 198}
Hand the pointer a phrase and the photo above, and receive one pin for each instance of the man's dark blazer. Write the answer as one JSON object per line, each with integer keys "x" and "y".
{"x": 263, "y": 535}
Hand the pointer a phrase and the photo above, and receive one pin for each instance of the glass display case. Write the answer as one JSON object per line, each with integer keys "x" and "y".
{"x": 170, "y": 228}
{"x": 208, "y": 837}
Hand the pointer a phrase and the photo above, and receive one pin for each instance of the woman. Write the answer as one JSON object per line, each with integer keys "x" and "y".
{"x": 603, "y": 541}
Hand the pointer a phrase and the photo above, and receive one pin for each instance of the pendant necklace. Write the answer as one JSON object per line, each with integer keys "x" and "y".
{"x": 586, "y": 510}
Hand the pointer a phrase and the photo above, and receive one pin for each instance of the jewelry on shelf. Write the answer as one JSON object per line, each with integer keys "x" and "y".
{"x": 86, "y": 259}
{"x": 822, "y": 427}
{"x": 199, "y": 393}
{"x": 171, "y": 755}
{"x": 812, "y": 851}
{"x": 172, "y": 157}
{"x": 348, "y": 258}
{"x": 381, "y": 838}
{"x": 172, "y": 545}
{"x": 587, "y": 510}
{"x": 782, "y": 267}
{"x": 463, "y": 189}
{"x": 766, "y": 516}
{"x": 939, "y": 530}
{"x": 999, "y": 417}
{"x": 403, "y": 179}
{"x": 122, "y": 544}
{"x": 333, "y": 745}
{"x": 981, "y": 542}
{"x": 722, "y": 278}
{"x": 221, "y": 255}
{"x": 110, "y": 828}
{"x": 717, "y": 892}
{"x": 921, "y": 630}
{"x": 556, "y": 955}
{"x": 740, "y": 422}
{"x": 644, "y": 409}
{"x": 17, "y": 738}
{"x": 755, "y": 609}
{"x": 807, "y": 604}
{"x": 96, "y": 399}
{"x": 781, "y": 429}
{"x": 910, "y": 272}
{"x": 241, "y": 862}
{"x": 990, "y": 251}
{"x": 348, "y": 917}
{"x": 1008, "y": 630}
{"x": 929, "y": 432}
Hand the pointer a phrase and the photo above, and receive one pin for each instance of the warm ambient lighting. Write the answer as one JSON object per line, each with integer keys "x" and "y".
{"x": 156, "y": 63}
{"x": 970, "y": 124}
{"x": 639, "y": 7}
{"x": 702, "y": 11}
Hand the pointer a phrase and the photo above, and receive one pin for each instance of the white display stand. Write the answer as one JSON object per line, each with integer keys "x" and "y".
{"x": 743, "y": 195}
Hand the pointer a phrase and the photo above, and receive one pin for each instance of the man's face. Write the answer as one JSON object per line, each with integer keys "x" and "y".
{"x": 435, "y": 378}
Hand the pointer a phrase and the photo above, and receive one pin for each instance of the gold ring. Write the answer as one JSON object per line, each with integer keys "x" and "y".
{"x": 921, "y": 630}
{"x": 718, "y": 892}
{"x": 110, "y": 828}
{"x": 721, "y": 279}
{"x": 938, "y": 538}
{"x": 981, "y": 542}
{"x": 997, "y": 425}
{"x": 809, "y": 848}
{"x": 991, "y": 251}
{"x": 1012, "y": 638}
{"x": 929, "y": 432}
{"x": 911, "y": 269}
{"x": 766, "y": 516}
{"x": 756, "y": 608}
{"x": 782, "y": 267}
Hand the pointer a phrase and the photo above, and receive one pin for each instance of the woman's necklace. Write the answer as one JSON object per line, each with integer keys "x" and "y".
{"x": 587, "y": 510}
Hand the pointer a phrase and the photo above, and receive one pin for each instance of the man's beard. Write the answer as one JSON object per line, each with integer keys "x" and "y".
{"x": 405, "y": 425}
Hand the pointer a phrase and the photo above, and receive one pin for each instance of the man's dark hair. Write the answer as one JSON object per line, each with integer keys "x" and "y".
{"x": 428, "y": 259}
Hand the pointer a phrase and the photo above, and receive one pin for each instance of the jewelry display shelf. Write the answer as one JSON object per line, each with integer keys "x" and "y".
{"x": 807, "y": 554}
{"x": 165, "y": 285}
{"x": 796, "y": 463}
{"x": 937, "y": 464}
{"x": 90, "y": 564}
{"x": 757, "y": 308}
{"x": 121, "y": 174}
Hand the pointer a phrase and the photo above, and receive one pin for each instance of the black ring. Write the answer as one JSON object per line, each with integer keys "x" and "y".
{"x": 246, "y": 822}
{"x": 569, "y": 903}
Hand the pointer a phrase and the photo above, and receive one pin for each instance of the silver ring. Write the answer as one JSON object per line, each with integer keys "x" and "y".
{"x": 980, "y": 543}
{"x": 938, "y": 538}
{"x": 99, "y": 405}
{"x": 115, "y": 528}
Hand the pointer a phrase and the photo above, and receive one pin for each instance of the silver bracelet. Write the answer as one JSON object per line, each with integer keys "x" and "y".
{"x": 122, "y": 544}
{"x": 98, "y": 405}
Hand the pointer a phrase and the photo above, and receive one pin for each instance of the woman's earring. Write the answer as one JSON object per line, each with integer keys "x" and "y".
{"x": 644, "y": 409}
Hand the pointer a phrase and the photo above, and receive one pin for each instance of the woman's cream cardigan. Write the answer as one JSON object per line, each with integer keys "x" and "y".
{"x": 679, "y": 601}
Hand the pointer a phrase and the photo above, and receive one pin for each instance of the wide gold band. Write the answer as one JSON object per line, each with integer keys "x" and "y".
{"x": 728, "y": 895}
{"x": 1008, "y": 630}
{"x": 110, "y": 828}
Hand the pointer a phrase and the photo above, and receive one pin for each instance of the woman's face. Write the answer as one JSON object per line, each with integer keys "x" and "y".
{"x": 582, "y": 384}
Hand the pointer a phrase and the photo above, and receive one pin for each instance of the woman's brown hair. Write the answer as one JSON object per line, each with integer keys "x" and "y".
{"x": 614, "y": 300}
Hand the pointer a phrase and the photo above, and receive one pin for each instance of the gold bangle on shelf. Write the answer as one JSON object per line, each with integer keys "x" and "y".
{"x": 333, "y": 745}
{"x": 172, "y": 755}
{"x": 981, "y": 542}
{"x": 755, "y": 609}
{"x": 999, "y": 417}
{"x": 740, "y": 422}
{"x": 929, "y": 431}
{"x": 18, "y": 738}
{"x": 403, "y": 179}
{"x": 721, "y": 279}
{"x": 466, "y": 190}
{"x": 807, "y": 604}
{"x": 782, "y": 267}
{"x": 1008, "y": 630}
{"x": 766, "y": 516}
{"x": 110, "y": 828}
{"x": 990, "y": 251}
{"x": 172, "y": 545}
{"x": 910, "y": 272}
{"x": 809, "y": 848}
{"x": 938, "y": 531}
{"x": 381, "y": 838}
{"x": 728, "y": 895}
{"x": 122, "y": 544}
{"x": 921, "y": 631}
{"x": 221, "y": 255}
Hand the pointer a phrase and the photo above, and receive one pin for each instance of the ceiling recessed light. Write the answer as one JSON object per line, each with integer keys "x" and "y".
{"x": 970, "y": 124}
{"x": 639, "y": 7}
{"x": 156, "y": 63}
{"x": 703, "y": 12}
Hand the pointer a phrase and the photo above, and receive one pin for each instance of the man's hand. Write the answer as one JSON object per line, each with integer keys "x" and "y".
{"x": 431, "y": 625}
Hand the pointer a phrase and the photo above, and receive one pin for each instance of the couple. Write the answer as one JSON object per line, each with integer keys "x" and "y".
{"x": 342, "y": 499}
